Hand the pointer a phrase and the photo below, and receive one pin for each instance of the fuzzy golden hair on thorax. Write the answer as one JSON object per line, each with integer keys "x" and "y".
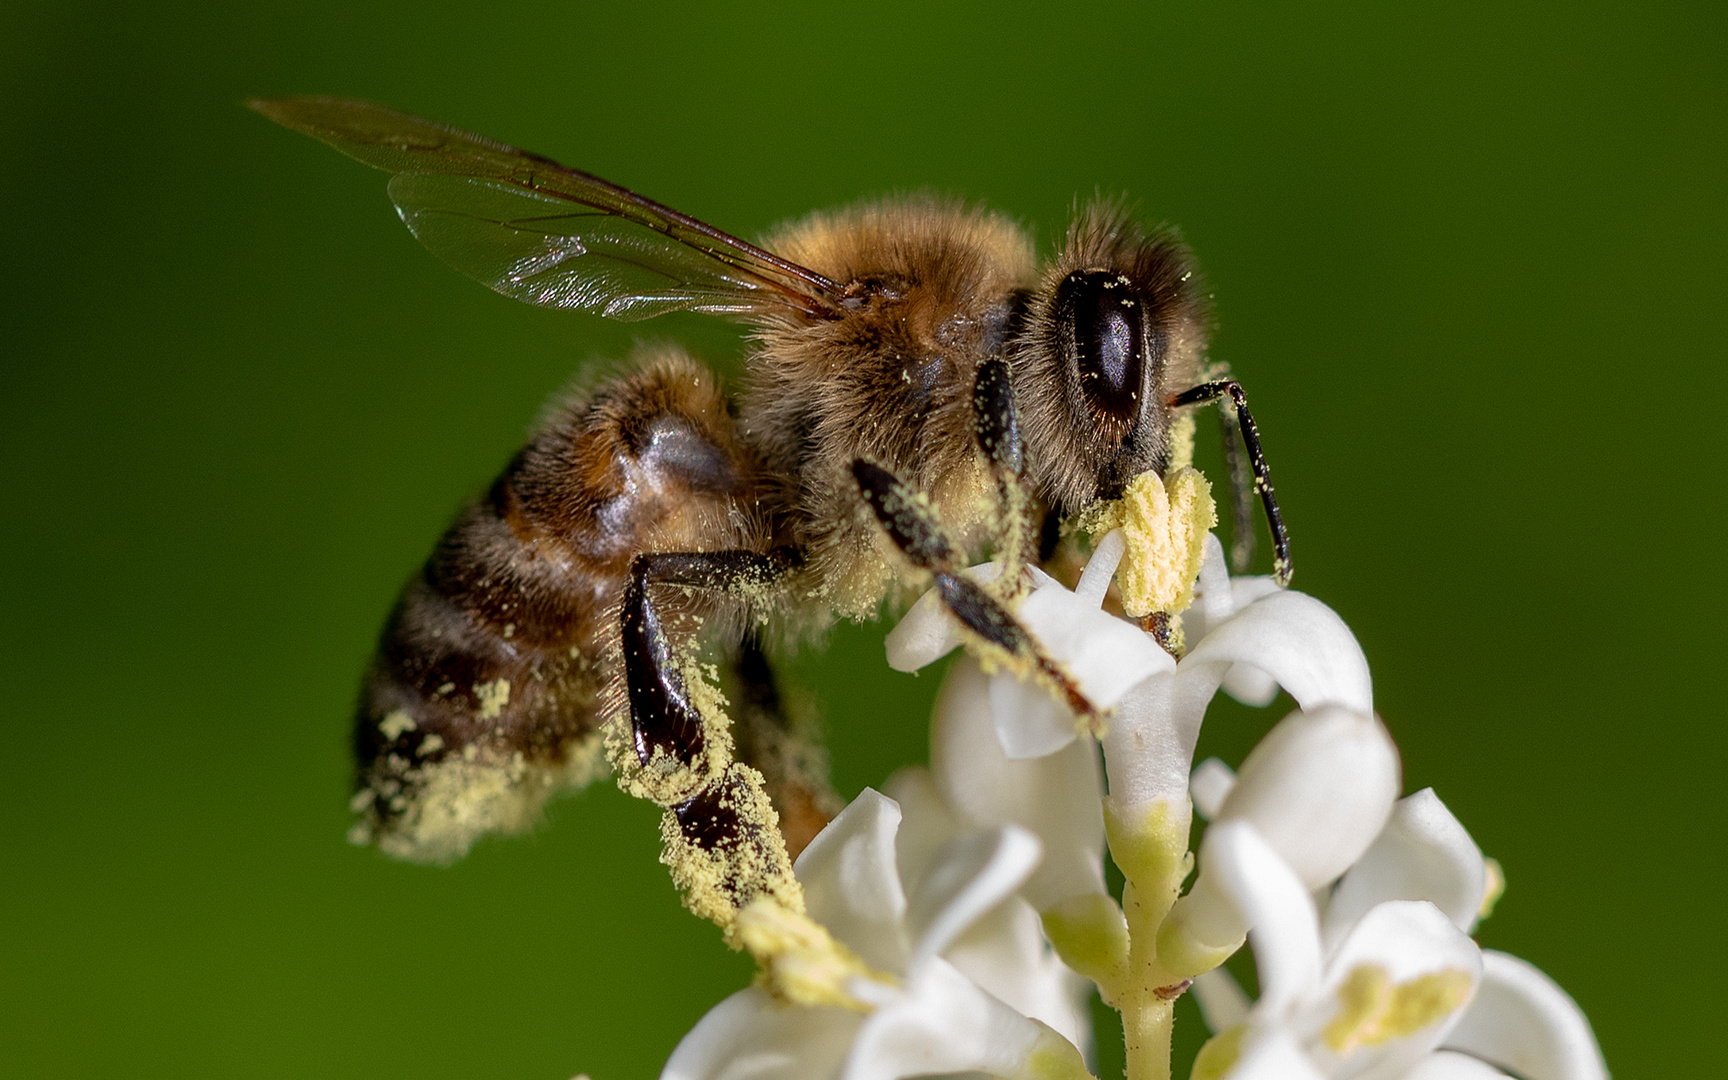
{"x": 927, "y": 293}
{"x": 939, "y": 244}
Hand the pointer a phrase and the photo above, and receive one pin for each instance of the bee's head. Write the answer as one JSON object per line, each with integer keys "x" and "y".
{"x": 1115, "y": 329}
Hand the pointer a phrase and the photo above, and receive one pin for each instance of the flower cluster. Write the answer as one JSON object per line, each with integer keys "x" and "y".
{"x": 970, "y": 899}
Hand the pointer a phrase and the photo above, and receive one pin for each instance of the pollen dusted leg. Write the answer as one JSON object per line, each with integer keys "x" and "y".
{"x": 913, "y": 527}
{"x": 1212, "y": 391}
{"x": 721, "y": 841}
{"x": 662, "y": 715}
{"x": 790, "y": 759}
{"x": 998, "y": 430}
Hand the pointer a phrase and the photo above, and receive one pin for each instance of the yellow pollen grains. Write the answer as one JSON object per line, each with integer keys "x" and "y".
{"x": 1372, "y": 1009}
{"x": 493, "y": 696}
{"x": 720, "y": 834}
{"x": 1165, "y": 522}
{"x": 798, "y": 959}
{"x": 719, "y": 875}
{"x": 395, "y": 724}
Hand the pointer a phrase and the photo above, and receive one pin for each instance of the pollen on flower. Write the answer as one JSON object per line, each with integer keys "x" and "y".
{"x": 1374, "y": 1010}
{"x": 799, "y": 961}
{"x": 1164, "y": 521}
{"x": 1165, "y": 524}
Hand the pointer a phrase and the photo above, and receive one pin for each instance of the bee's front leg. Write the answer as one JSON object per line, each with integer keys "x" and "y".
{"x": 912, "y": 525}
{"x": 1250, "y": 435}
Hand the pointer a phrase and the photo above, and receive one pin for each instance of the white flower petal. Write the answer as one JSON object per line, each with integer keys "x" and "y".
{"x": 1095, "y": 580}
{"x": 968, "y": 877}
{"x": 1445, "y": 1065}
{"x": 1268, "y": 900}
{"x": 1006, "y": 955}
{"x": 1055, "y": 797}
{"x": 1209, "y": 785}
{"x": 926, "y": 820}
{"x": 1408, "y": 938}
{"x": 1223, "y": 1003}
{"x": 1319, "y": 787}
{"x": 1246, "y": 590}
{"x": 1106, "y": 655}
{"x": 1405, "y": 940}
{"x": 924, "y": 635}
{"x": 1214, "y": 600}
{"x": 1028, "y": 722}
{"x": 1423, "y": 853}
{"x": 852, "y": 884}
{"x": 1522, "y": 1021}
{"x": 1149, "y": 745}
{"x": 1251, "y": 686}
{"x": 1301, "y": 643}
{"x": 928, "y": 632}
{"x": 1275, "y": 1056}
{"x": 750, "y": 1036}
{"x": 943, "y": 1023}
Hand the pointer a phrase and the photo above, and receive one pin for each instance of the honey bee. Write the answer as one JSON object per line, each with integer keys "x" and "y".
{"x": 918, "y": 391}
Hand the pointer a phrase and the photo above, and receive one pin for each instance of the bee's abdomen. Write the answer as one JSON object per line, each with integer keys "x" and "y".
{"x": 491, "y": 679}
{"x": 469, "y": 719}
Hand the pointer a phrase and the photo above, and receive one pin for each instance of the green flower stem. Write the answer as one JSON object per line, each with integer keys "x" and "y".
{"x": 1146, "y": 1029}
{"x": 1150, "y": 845}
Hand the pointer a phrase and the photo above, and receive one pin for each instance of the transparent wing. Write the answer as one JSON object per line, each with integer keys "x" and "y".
{"x": 546, "y": 234}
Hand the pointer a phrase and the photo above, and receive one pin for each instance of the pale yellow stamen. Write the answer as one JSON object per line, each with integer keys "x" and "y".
{"x": 1493, "y": 885}
{"x": 1164, "y": 522}
{"x": 1372, "y": 1009}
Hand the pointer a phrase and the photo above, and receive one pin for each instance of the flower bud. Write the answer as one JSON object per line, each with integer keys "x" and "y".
{"x": 1319, "y": 788}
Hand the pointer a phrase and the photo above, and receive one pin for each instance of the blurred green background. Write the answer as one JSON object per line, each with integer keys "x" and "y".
{"x": 1470, "y": 265}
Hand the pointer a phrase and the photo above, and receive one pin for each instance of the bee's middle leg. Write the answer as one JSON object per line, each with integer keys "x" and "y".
{"x": 996, "y": 422}
{"x": 912, "y": 525}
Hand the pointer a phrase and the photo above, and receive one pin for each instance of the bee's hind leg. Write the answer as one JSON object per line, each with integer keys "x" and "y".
{"x": 666, "y": 718}
{"x": 912, "y": 525}
{"x": 770, "y": 738}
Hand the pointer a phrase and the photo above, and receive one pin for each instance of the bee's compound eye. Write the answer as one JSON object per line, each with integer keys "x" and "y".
{"x": 1106, "y": 320}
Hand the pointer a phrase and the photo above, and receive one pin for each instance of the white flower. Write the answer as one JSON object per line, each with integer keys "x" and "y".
{"x": 1319, "y": 787}
{"x": 1317, "y": 790}
{"x": 974, "y": 986}
{"x": 1379, "y": 1002}
{"x": 1378, "y": 979}
{"x": 1057, "y": 797}
{"x": 1358, "y": 905}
